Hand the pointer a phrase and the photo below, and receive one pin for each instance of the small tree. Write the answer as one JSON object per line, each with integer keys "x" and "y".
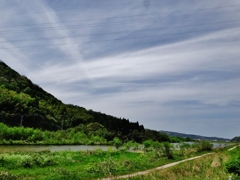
{"x": 117, "y": 142}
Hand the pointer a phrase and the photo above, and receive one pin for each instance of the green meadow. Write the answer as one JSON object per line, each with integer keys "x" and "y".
{"x": 45, "y": 165}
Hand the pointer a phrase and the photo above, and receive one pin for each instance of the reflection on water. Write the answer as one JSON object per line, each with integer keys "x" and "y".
{"x": 53, "y": 148}
{"x": 215, "y": 145}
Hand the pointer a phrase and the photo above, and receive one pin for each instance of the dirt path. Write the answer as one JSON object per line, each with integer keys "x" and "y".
{"x": 233, "y": 148}
{"x": 158, "y": 168}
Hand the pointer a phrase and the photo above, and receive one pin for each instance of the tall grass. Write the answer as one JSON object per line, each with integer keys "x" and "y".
{"x": 76, "y": 165}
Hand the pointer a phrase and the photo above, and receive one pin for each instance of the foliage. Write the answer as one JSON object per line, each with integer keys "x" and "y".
{"x": 160, "y": 149}
{"x": 117, "y": 142}
{"x": 233, "y": 165}
{"x": 203, "y": 146}
{"x": 148, "y": 144}
{"x": 21, "y": 135}
{"x": 131, "y": 145}
{"x": 20, "y": 160}
{"x": 156, "y": 136}
{"x": 82, "y": 134}
{"x": 186, "y": 149}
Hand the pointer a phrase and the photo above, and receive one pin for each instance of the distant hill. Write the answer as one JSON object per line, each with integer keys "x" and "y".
{"x": 236, "y": 139}
{"x": 23, "y": 103}
{"x": 195, "y": 137}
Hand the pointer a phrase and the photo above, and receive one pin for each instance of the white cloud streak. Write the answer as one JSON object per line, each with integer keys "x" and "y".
{"x": 188, "y": 80}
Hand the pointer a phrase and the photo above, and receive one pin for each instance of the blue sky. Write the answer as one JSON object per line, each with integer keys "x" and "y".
{"x": 170, "y": 65}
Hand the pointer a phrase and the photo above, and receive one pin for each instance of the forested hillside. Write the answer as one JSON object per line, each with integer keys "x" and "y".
{"x": 23, "y": 103}
{"x": 195, "y": 137}
{"x": 236, "y": 139}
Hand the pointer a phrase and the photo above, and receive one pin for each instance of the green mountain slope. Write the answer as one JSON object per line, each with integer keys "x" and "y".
{"x": 193, "y": 136}
{"x": 23, "y": 103}
{"x": 20, "y": 98}
{"x": 236, "y": 139}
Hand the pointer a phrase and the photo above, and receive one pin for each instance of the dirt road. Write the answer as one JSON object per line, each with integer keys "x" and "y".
{"x": 233, "y": 148}
{"x": 154, "y": 169}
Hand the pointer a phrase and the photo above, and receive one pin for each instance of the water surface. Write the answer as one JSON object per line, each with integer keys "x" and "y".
{"x": 52, "y": 148}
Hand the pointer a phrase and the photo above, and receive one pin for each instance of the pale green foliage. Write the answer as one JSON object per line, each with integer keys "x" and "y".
{"x": 117, "y": 142}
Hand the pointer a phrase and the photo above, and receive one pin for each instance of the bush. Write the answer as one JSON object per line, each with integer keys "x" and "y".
{"x": 148, "y": 144}
{"x": 203, "y": 146}
{"x": 233, "y": 166}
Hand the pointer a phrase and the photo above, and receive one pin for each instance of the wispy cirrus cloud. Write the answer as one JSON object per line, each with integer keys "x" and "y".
{"x": 171, "y": 66}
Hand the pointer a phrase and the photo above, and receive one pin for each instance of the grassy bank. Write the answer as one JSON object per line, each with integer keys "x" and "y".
{"x": 95, "y": 164}
{"x": 210, "y": 167}
{"x": 75, "y": 165}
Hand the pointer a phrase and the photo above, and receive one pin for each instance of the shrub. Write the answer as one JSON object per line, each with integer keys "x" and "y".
{"x": 203, "y": 146}
{"x": 233, "y": 166}
{"x": 148, "y": 143}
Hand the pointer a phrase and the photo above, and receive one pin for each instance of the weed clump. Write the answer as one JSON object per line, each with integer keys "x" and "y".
{"x": 4, "y": 175}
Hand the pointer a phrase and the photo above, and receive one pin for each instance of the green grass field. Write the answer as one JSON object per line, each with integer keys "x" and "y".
{"x": 96, "y": 164}
{"x": 75, "y": 165}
